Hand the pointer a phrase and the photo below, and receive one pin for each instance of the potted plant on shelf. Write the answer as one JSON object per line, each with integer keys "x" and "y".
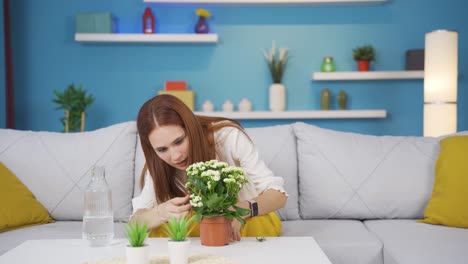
{"x": 75, "y": 102}
{"x": 364, "y": 55}
{"x": 213, "y": 188}
{"x": 277, "y": 66}
{"x": 137, "y": 251}
{"x": 201, "y": 27}
{"x": 178, "y": 245}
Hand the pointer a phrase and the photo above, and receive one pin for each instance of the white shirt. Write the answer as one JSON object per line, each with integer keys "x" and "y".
{"x": 236, "y": 149}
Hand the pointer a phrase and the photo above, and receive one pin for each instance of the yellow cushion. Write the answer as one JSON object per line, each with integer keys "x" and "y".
{"x": 18, "y": 206}
{"x": 449, "y": 202}
{"x": 268, "y": 225}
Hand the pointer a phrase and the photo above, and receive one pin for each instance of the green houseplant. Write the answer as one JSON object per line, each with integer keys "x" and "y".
{"x": 136, "y": 251}
{"x": 75, "y": 102}
{"x": 364, "y": 55}
{"x": 177, "y": 230}
{"x": 213, "y": 188}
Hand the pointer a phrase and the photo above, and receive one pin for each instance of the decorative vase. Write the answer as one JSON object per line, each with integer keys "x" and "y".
{"x": 363, "y": 65}
{"x": 328, "y": 65}
{"x": 277, "y": 97}
{"x": 178, "y": 251}
{"x": 202, "y": 26}
{"x": 137, "y": 255}
{"x": 208, "y": 106}
{"x": 342, "y": 100}
{"x": 245, "y": 105}
{"x": 215, "y": 231}
{"x": 228, "y": 106}
{"x": 325, "y": 97}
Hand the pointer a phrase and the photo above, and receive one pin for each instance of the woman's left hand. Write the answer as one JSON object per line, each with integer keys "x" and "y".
{"x": 235, "y": 230}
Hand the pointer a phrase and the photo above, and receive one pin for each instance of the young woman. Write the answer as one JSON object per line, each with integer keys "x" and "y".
{"x": 172, "y": 138}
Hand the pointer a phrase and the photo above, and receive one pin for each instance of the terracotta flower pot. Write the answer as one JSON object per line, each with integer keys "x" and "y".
{"x": 215, "y": 231}
{"x": 363, "y": 65}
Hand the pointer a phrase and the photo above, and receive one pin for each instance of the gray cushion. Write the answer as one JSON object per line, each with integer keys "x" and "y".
{"x": 409, "y": 242}
{"x": 349, "y": 175}
{"x": 58, "y": 230}
{"x": 56, "y": 166}
{"x": 343, "y": 241}
{"x": 277, "y": 147}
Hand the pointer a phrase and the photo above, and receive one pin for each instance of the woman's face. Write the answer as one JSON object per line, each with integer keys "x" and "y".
{"x": 171, "y": 145}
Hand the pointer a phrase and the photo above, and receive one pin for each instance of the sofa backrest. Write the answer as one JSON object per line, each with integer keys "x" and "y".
{"x": 56, "y": 166}
{"x": 349, "y": 175}
{"x": 277, "y": 147}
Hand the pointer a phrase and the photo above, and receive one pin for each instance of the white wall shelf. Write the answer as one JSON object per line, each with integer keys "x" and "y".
{"x": 315, "y": 114}
{"x": 147, "y": 38}
{"x": 370, "y": 75}
{"x": 286, "y": 2}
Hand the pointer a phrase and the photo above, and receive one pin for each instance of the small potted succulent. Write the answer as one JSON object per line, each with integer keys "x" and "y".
{"x": 364, "y": 55}
{"x": 137, "y": 251}
{"x": 178, "y": 245}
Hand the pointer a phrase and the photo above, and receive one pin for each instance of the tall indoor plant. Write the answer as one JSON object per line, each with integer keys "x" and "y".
{"x": 277, "y": 65}
{"x": 75, "y": 102}
{"x": 213, "y": 188}
{"x": 364, "y": 55}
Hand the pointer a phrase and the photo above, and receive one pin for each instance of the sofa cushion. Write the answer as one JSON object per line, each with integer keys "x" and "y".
{"x": 343, "y": 241}
{"x": 449, "y": 202}
{"x": 277, "y": 148}
{"x": 55, "y": 166}
{"x": 409, "y": 242}
{"x": 349, "y": 175}
{"x": 18, "y": 206}
{"x": 58, "y": 230}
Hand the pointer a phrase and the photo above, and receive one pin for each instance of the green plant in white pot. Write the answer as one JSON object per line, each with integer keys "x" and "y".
{"x": 177, "y": 230}
{"x": 137, "y": 251}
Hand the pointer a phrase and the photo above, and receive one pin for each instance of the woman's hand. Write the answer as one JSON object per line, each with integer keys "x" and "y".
{"x": 235, "y": 230}
{"x": 176, "y": 207}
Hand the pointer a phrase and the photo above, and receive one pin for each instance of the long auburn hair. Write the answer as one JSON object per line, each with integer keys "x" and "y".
{"x": 163, "y": 110}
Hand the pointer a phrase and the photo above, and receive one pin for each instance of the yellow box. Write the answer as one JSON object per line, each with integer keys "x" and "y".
{"x": 185, "y": 96}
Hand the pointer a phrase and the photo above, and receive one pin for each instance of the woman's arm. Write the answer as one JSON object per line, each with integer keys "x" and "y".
{"x": 159, "y": 214}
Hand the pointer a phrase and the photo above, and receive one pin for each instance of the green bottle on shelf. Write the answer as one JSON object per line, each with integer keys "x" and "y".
{"x": 328, "y": 65}
{"x": 342, "y": 99}
{"x": 325, "y": 97}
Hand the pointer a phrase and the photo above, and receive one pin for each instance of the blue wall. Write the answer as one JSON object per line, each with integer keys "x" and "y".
{"x": 123, "y": 76}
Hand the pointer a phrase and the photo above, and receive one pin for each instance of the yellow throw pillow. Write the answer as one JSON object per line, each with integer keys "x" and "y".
{"x": 449, "y": 202}
{"x": 18, "y": 206}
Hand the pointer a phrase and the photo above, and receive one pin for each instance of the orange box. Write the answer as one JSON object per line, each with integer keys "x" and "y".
{"x": 175, "y": 86}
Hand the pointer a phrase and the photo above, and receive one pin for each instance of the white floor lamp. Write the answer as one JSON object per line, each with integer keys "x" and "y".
{"x": 440, "y": 83}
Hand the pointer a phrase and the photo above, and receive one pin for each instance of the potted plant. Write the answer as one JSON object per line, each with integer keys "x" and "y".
{"x": 137, "y": 251}
{"x": 75, "y": 102}
{"x": 364, "y": 55}
{"x": 178, "y": 245}
{"x": 202, "y": 26}
{"x": 277, "y": 66}
{"x": 213, "y": 188}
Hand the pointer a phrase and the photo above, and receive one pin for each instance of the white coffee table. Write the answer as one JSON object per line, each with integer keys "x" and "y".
{"x": 248, "y": 250}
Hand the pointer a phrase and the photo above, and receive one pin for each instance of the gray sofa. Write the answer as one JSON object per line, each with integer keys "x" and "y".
{"x": 359, "y": 196}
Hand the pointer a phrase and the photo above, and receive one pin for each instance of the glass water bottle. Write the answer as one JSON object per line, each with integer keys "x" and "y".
{"x": 98, "y": 217}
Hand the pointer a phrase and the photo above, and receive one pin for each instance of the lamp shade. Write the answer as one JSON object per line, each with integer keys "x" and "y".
{"x": 440, "y": 82}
